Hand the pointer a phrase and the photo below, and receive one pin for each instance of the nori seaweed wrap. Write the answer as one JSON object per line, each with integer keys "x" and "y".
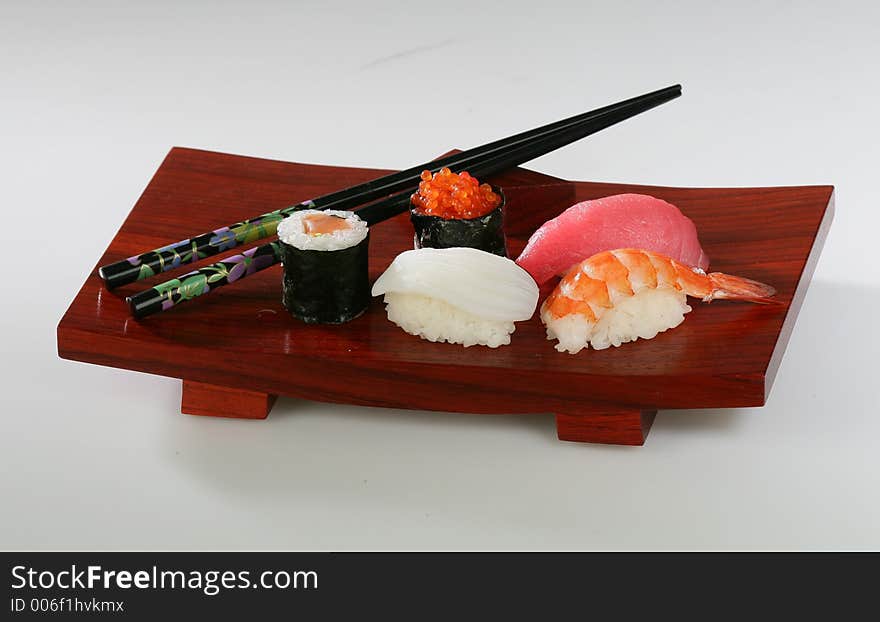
{"x": 325, "y": 276}
{"x": 484, "y": 232}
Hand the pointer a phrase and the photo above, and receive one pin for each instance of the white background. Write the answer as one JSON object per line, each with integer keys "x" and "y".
{"x": 92, "y": 96}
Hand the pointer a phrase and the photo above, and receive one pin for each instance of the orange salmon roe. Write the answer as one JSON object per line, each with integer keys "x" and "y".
{"x": 448, "y": 195}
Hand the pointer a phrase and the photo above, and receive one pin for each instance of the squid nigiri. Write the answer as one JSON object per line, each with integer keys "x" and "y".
{"x": 458, "y": 295}
{"x": 618, "y": 296}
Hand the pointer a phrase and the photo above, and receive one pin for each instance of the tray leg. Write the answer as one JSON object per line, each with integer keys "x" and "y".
{"x": 614, "y": 427}
{"x": 211, "y": 400}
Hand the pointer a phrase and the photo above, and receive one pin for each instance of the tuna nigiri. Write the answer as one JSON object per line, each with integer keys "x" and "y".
{"x": 619, "y": 296}
{"x": 619, "y": 221}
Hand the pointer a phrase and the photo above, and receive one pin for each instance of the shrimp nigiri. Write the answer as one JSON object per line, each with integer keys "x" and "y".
{"x": 618, "y": 296}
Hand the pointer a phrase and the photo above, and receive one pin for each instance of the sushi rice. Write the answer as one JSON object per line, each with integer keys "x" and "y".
{"x": 642, "y": 316}
{"x": 436, "y": 320}
{"x": 291, "y": 231}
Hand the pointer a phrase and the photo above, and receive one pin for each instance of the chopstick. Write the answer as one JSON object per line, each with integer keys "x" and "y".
{"x": 195, "y": 248}
{"x": 198, "y": 282}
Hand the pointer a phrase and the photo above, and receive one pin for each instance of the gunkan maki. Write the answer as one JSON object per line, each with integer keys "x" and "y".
{"x": 451, "y": 210}
{"x": 325, "y": 257}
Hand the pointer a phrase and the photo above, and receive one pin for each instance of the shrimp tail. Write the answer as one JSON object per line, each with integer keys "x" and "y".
{"x": 726, "y": 286}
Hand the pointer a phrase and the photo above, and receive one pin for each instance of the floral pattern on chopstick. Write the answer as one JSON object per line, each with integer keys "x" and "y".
{"x": 212, "y": 243}
{"x": 191, "y": 250}
{"x": 201, "y": 281}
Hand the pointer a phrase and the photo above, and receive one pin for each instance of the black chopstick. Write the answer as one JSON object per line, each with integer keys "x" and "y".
{"x": 214, "y": 242}
{"x": 198, "y": 282}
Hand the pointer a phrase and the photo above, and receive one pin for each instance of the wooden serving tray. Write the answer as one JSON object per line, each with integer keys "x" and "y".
{"x": 237, "y": 348}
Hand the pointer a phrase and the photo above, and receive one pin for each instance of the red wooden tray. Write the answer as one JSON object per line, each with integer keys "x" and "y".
{"x": 237, "y": 348}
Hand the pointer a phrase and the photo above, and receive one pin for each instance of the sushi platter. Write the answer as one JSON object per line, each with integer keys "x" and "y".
{"x": 239, "y": 348}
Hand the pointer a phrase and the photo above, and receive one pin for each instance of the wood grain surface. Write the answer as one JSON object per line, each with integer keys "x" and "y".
{"x": 725, "y": 354}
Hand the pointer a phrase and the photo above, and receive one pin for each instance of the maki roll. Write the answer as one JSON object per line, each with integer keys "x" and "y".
{"x": 452, "y": 210}
{"x": 325, "y": 257}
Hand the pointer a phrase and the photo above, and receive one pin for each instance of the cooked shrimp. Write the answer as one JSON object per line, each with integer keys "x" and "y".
{"x": 618, "y": 296}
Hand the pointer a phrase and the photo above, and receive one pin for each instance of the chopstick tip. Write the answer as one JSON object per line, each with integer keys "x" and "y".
{"x": 132, "y": 307}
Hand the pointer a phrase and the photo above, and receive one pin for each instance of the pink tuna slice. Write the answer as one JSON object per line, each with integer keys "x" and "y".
{"x": 619, "y": 221}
